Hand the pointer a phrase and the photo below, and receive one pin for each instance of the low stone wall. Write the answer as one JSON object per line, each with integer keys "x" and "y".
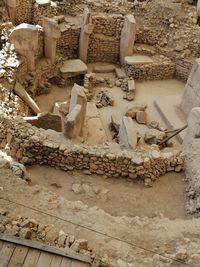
{"x": 31, "y": 145}
{"x": 40, "y": 11}
{"x": 24, "y": 12}
{"x": 183, "y": 69}
{"x": 158, "y": 70}
{"x": 104, "y": 44}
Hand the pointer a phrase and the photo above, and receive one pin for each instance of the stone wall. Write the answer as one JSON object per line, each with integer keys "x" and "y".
{"x": 158, "y": 70}
{"x": 104, "y": 44}
{"x": 68, "y": 44}
{"x": 24, "y": 12}
{"x": 32, "y": 145}
{"x": 40, "y": 11}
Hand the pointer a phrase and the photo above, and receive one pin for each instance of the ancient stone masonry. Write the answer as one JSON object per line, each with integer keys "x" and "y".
{"x": 159, "y": 68}
{"x": 104, "y": 44}
{"x": 32, "y": 145}
{"x": 43, "y": 8}
{"x": 11, "y": 9}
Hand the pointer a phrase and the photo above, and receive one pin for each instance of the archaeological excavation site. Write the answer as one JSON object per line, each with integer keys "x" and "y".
{"x": 99, "y": 133}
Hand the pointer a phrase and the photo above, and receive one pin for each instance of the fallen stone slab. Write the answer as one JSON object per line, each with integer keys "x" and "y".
{"x": 127, "y": 133}
{"x": 73, "y": 67}
{"x": 138, "y": 59}
{"x": 104, "y": 68}
{"x": 46, "y": 121}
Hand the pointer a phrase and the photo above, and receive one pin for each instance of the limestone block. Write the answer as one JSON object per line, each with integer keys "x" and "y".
{"x": 25, "y": 38}
{"x": 127, "y": 37}
{"x": 131, "y": 86}
{"x": 51, "y": 34}
{"x": 78, "y": 97}
{"x": 138, "y": 60}
{"x": 46, "y": 121}
{"x": 73, "y": 122}
{"x": 116, "y": 120}
{"x": 127, "y": 133}
{"x": 141, "y": 117}
{"x": 61, "y": 108}
{"x": 191, "y": 95}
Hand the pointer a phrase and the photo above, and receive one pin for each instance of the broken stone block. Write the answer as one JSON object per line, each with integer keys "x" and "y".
{"x": 120, "y": 73}
{"x": 25, "y": 233}
{"x": 127, "y": 133}
{"x": 104, "y": 99}
{"x": 141, "y": 117}
{"x": 131, "y": 112}
{"x": 46, "y": 121}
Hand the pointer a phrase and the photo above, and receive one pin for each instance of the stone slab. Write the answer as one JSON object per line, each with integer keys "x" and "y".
{"x": 131, "y": 85}
{"x": 138, "y": 59}
{"x": 73, "y": 67}
{"x": 127, "y": 133}
{"x": 104, "y": 68}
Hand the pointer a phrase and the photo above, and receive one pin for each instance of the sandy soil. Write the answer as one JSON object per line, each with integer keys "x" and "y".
{"x": 118, "y": 197}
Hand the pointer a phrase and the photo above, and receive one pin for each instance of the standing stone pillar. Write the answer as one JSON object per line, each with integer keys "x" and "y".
{"x": 191, "y": 95}
{"x": 86, "y": 30}
{"x": 11, "y": 9}
{"x": 127, "y": 37}
{"x": 25, "y": 38}
{"x": 193, "y": 130}
{"x": 51, "y": 34}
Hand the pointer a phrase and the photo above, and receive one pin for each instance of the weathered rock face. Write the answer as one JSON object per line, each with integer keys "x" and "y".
{"x": 127, "y": 133}
{"x": 72, "y": 124}
{"x": 191, "y": 96}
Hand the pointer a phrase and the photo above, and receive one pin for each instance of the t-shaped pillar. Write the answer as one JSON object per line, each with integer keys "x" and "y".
{"x": 25, "y": 39}
{"x": 51, "y": 34}
{"x": 127, "y": 37}
{"x": 11, "y": 9}
{"x": 86, "y": 29}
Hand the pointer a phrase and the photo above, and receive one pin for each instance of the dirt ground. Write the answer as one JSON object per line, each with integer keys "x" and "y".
{"x": 148, "y": 242}
{"x": 118, "y": 197}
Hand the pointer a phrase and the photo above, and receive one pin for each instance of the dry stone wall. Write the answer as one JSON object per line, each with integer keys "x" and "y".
{"x": 158, "y": 70}
{"x": 40, "y": 11}
{"x": 33, "y": 145}
{"x": 68, "y": 44}
{"x": 24, "y": 12}
{"x": 104, "y": 44}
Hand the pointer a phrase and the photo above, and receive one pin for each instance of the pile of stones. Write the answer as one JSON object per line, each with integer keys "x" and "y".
{"x": 104, "y": 99}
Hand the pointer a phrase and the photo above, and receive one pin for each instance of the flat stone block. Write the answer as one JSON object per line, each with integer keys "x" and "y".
{"x": 138, "y": 59}
{"x": 104, "y": 68}
{"x": 73, "y": 67}
{"x": 131, "y": 85}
